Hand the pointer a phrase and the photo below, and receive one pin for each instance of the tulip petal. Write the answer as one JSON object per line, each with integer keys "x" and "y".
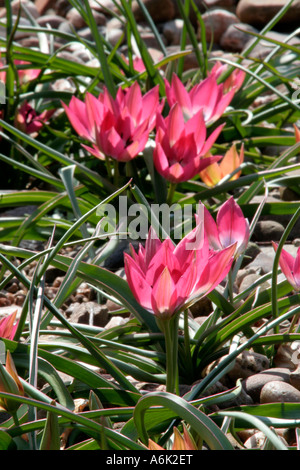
{"x": 177, "y": 93}
{"x": 211, "y": 230}
{"x": 296, "y": 272}
{"x": 232, "y": 225}
{"x": 8, "y": 326}
{"x": 214, "y": 272}
{"x": 163, "y": 300}
{"x": 137, "y": 282}
{"x": 287, "y": 266}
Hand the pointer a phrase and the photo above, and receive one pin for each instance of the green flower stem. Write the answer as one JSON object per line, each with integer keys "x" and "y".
{"x": 116, "y": 173}
{"x": 169, "y": 327}
{"x": 15, "y": 418}
{"x": 187, "y": 343}
{"x": 171, "y": 192}
{"x": 108, "y": 167}
{"x": 230, "y": 285}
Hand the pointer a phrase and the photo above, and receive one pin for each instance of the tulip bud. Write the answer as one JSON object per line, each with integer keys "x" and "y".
{"x": 51, "y": 434}
{"x": 9, "y": 383}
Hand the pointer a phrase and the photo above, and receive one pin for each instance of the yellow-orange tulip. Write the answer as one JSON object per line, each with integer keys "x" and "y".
{"x": 212, "y": 174}
{"x": 180, "y": 442}
{"x": 10, "y": 383}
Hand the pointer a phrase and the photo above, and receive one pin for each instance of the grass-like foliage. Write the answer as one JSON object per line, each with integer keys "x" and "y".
{"x": 133, "y": 130}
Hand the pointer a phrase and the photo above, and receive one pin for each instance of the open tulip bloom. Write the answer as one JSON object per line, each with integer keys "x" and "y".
{"x": 25, "y": 75}
{"x": 290, "y": 266}
{"x": 209, "y": 96}
{"x": 28, "y": 121}
{"x": 181, "y": 147}
{"x": 235, "y": 79}
{"x": 117, "y": 128}
{"x": 166, "y": 279}
{"x": 230, "y": 227}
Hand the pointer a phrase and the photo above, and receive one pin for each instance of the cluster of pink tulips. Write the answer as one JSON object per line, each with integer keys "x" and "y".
{"x": 120, "y": 127}
{"x": 165, "y": 279}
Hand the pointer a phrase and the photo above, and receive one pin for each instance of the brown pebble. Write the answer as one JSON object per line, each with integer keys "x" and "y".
{"x": 4, "y": 302}
{"x": 279, "y": 392}
{"x": 254, "y": 384}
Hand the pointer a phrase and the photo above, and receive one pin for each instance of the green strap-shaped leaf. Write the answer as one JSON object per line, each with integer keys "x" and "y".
{"x": 201, "y": 423}
{"x": 255, "y": 422}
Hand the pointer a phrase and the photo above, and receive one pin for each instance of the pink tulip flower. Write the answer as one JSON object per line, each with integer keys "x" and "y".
{"x": 25, "y": 75}
{"x": 215, "y": 172}
{"x": 119, "y": 127}
{"x": 166, "y": 279}
{"x": 208, "y": 96}
{"x": 290, "y": 266}
{"x": 230, "y": 227}
{"x": 235, "y": 79}
{"x": 28, "y": 121}
{"x": 137, "y": 63}
{"x": 181, "y": 147}
{"x": 8, "y": 326}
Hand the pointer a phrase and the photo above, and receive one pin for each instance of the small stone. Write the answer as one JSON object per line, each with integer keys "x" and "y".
{"x": 75, "y": 18}
{"x": 172, "y": 31}
{"x": 217, "y": 21}
{"x": 112, "y": 306}
{"x": 53, "y": 20}
{"x": 19, "y": 299}
{"x": 241, "y": 274}
{"x": 4, "y": 302}
{"x": 251, "y": 252}
{"x": 284, "y": 357}
{"x": 258, "y": 439}
{"x": 115, "y": 321}
{"x": 287, "y": 194}
{"x": 257, "y": 12}
{"x": 266, "y": 230}
{"x": 158, "y": 10}
{"x": 248, "y": 281}
{"x": 263, "y": 48}
{"x": 15, "y": 6}
{"x": 104, "y": 6}
{"x": 235, "y": 37}
{"x": 202, "y": 307}
{"x": 114, "y": 35}
{"x": 61, "y": 7}
{"x": 88, "y": 313}
{"x": 262, "y": 263}
{"x": 255, "y": 441}
{"x": 43, "y": 5}
{"x": 248, "y": 363}
{"x": 295, "y": 374}
{"x": 228, "y": 4}
{"x": 254, "y": 384}
{"x": 58, "y": 281}
{"x": 52, "y": 274}
{"x": 279, "y": 392}
{"x": 148, "y": 36}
